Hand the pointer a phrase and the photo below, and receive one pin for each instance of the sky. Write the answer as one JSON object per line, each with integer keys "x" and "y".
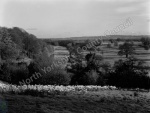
{"x": 75, "y": 18}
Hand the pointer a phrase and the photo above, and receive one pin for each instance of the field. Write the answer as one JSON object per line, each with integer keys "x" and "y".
{"x": 72, "y": 99}
{"x": 105, "y": 101}
{"x": 110, "y": 54}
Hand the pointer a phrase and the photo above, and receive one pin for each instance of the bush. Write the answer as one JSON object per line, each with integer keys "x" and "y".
{"x": 18, "y": 74}
{"x": 102, "y": 80}
{"x": 13, "y": 73}
{"x": 130, "y": 73}
{"x": 56, "y": 77}
{"x": 89, "y": 78}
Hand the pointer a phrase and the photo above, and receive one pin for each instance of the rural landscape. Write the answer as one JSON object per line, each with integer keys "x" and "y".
{"x": 72, "y": 72}
{"x": 45, "y": 71}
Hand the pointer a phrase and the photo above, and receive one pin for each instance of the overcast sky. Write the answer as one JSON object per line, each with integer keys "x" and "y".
{"x": 71, "y": 18}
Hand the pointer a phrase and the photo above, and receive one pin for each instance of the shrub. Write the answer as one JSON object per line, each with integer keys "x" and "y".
{"x": 18, "y": 73}
{"x": 13, "y": 73}
{"x": 130, "y": 73}
{"x": 90, "y": 78}
{"x": 56, "y": 77}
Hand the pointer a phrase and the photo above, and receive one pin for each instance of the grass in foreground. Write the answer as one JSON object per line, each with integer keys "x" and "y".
{"x": 105, "y": 101}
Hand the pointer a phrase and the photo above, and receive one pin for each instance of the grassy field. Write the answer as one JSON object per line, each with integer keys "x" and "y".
{"x": 105, "y": 101}
{"x": 111, "y": 54}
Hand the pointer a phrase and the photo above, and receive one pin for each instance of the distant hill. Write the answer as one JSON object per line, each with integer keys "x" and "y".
{"x": 99, "y": 37}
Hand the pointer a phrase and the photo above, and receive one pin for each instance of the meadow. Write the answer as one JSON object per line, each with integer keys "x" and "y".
{"x": 110, "y": 54}
{"x": 94, "y": 100}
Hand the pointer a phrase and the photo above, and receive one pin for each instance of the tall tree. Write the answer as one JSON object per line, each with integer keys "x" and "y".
{"x": 126, "y": 49}
{"x": 31, "y": 45}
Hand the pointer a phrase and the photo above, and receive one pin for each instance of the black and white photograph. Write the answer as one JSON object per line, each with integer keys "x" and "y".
{"x": 74, "y": 56}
